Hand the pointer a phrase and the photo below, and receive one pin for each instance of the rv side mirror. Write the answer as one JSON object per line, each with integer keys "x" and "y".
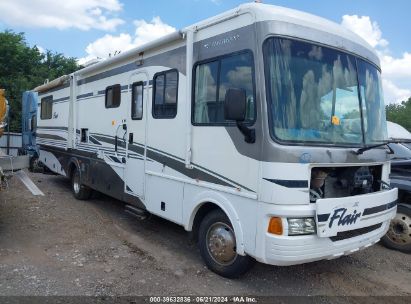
{"x": 235, "y": 104}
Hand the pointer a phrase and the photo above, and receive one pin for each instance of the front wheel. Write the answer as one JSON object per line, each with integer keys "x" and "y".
{"x": 398, "y": 236}
{"x": 218, "y": 246}
{"x": 80, "y": 191}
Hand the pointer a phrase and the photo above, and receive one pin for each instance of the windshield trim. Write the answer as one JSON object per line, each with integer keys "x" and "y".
{"x": 360, "y": 103}
{"x": 314, "y": 143}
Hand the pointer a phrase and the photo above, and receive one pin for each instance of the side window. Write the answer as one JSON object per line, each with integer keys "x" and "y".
{"x": 113, "y": 96}
{"x": 84, "y": 135}
{"x": 46, "y": 107}
{"x": 137, "y": 100}
{"x": 213, "y": 78}
{"x": 165, "y": 94}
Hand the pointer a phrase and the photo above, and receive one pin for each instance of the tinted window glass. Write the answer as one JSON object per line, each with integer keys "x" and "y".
{"x": 113, "y": 96}
{"x": 159, "y": 87}
{"x": 165, "y": 94}
{"x": 171, "y": 88}
{"x": 46, "y": 107}
{"x": 137, "y": 101}
{"x": 205, "y": 92}
{"x": 213, "y": 79}
{"x": 312, "y": 93}
{"x": 375, "y": 124}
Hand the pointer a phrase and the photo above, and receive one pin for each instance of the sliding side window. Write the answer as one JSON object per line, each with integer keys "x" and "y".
{"x": 212, "y": 80}
{"x": 165, "y": 94}
{"x": 137, "y": 100}
{"x": 113, "y": 96}
{"x": 46, "y": 107}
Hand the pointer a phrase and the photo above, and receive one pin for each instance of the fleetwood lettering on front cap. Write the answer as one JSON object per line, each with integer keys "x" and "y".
{"x": 343, "y": 219}
{"x": 222, "y": 42}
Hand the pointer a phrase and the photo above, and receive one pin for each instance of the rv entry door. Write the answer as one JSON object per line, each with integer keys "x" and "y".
{"x": 136, "y": 134}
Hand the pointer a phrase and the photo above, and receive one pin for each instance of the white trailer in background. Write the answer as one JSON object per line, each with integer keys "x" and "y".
{"x": 396, "y": 131}
{"x": 253, "y": 129}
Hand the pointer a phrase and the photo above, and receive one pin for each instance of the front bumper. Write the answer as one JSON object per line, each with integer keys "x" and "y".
{"x": 289, "y": 250}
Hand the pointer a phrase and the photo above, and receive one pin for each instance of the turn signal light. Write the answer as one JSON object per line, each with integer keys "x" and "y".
{"x": 275, "y": 226}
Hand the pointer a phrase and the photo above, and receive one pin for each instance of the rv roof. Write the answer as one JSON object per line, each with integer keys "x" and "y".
{"x": 289, "y": 22}
{"x": 300, "y": 24}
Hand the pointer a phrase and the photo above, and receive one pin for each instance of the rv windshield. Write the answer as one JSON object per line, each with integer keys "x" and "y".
{"x": 314, "y": 95}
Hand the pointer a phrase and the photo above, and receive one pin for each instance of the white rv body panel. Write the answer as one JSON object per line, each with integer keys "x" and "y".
{"x": 172, "y": 167}
{"x": 214, "y": 143}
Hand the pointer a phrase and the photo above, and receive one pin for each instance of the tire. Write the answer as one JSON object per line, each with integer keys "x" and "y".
{"x": 34, "y": 164}
{"x": 215, "y": 236}
{"x": 37, "y": 165}
{"x": 398, "y": 236}
{"x": 80, "y": 191}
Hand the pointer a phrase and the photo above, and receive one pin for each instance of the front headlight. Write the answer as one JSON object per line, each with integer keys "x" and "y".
{"x": 301, "y": 226}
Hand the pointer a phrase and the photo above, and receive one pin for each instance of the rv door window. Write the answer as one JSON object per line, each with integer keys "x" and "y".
{"x": 212, "y": 80}
{"x": 165, "y": 94}
{"x": 46, "y": 107}
{"x": 113, "y": 96}
{"x": 137, "y": 100}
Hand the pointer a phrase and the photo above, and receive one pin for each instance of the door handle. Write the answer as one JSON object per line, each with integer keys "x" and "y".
{"x": 130, "y": 138}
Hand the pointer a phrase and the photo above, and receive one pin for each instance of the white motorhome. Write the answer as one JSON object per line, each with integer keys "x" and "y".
{"x": 254, "y": 129}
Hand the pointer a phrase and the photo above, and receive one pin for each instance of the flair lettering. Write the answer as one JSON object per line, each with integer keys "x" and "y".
{"x": 343, "y": 218}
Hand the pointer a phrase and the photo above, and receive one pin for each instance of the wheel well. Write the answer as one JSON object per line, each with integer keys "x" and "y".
{"x": 201, "y": 213}
{"x": 72, "y": 167}
{"x": 404, "y": 197}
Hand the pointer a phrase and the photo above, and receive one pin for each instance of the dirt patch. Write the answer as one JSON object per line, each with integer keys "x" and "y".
{"x": 56, "y": 245}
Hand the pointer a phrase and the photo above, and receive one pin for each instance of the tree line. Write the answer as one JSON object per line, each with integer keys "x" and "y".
{"x": 400, "y": 113}
{"x": 23, "y": 68}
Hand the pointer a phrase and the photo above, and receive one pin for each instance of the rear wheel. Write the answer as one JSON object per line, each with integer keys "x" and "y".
{"x": 80, "y": 191}
{"x": 218, "y": 246}
{"x": 399, "y": 234}
{"x": 35, "y": 165}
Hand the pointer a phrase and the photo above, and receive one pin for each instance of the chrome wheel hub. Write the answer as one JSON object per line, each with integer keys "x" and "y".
{"x": 76, "y": 183}
{"x": 400, "y": 229}
{"x": 221, "y": 243}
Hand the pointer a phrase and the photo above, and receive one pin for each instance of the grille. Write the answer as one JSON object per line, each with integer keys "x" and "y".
{"x": 353, "y": 233}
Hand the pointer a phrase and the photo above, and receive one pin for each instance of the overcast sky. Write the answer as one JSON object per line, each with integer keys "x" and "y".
{"x": 95, "y": 28}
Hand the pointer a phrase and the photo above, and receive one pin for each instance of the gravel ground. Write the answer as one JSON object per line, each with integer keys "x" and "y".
{"x": 56, "y": 245}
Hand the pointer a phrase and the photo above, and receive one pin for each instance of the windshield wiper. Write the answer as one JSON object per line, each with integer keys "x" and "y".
{"x": 366, "y": 148}
{"x": 385, "y": 143}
